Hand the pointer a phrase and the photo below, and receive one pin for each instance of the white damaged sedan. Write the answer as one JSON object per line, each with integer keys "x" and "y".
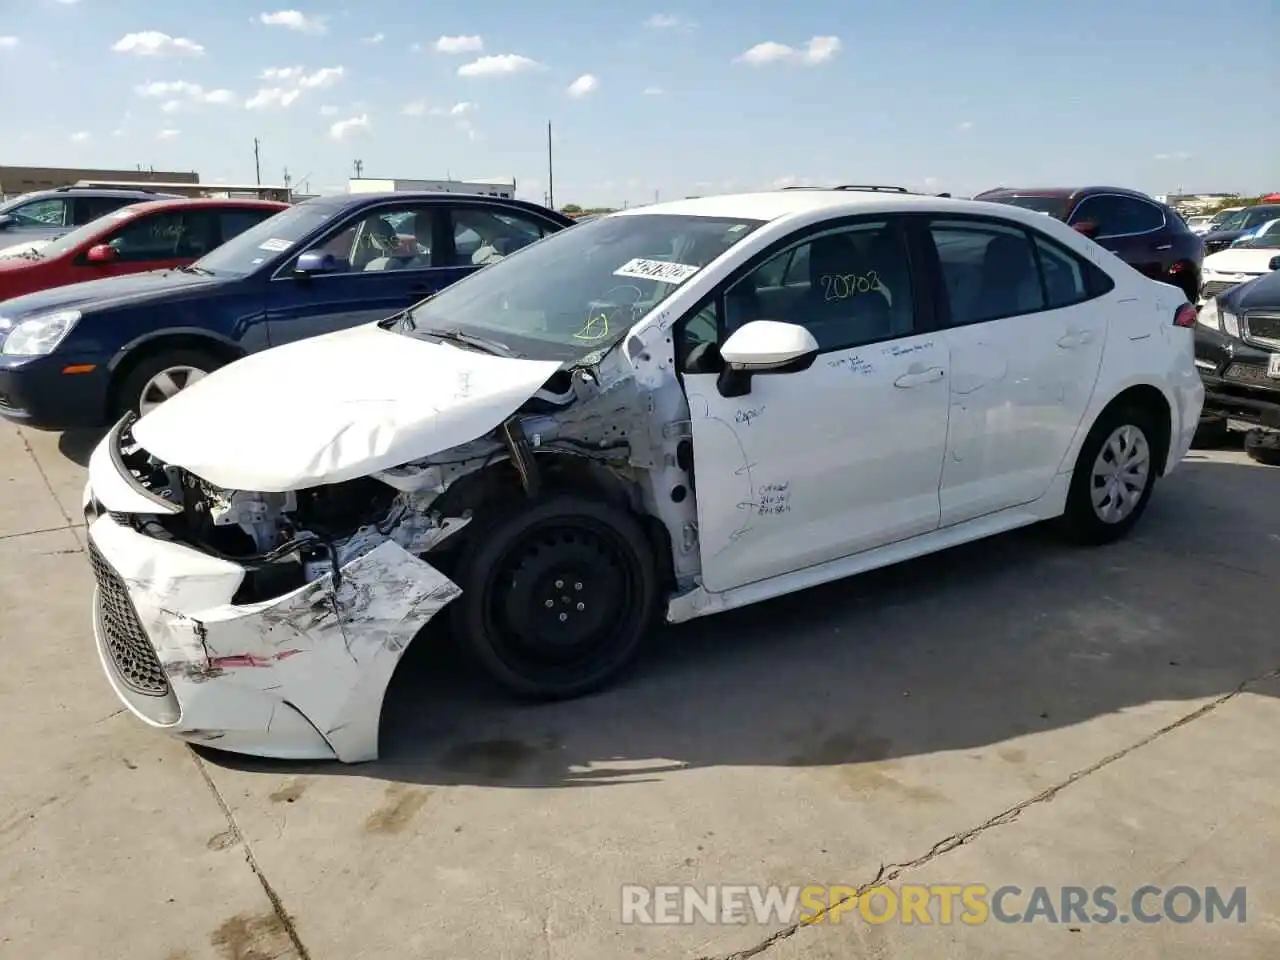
{"x": 667, "y": 412}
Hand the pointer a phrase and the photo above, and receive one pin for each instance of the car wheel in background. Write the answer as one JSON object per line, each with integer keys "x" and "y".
{"x": 556, "y": 596}
{"x": 157, "y": 377}
{"x": 1113, "y": 477}
{"x": 1263, "y": 446}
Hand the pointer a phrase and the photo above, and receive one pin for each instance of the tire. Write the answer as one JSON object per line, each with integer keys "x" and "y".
{"x": 1263, "y": 447}
{"x": 139, "y": 379}
{"x": 1212, "y": 432}
{"x": 1130, "y": 428}
{"x": 544, "y": 571}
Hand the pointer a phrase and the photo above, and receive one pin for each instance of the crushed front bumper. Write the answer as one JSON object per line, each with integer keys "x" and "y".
{"x": 300, "y": 676}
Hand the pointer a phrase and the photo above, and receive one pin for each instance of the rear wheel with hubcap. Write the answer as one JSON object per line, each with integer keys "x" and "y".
{"x": 1113, "y": 478}
{"x": 557, "y": 596}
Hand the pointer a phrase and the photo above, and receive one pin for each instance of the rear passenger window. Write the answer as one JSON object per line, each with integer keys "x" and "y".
{"x": 988, "y": 271}
{"x": 235, "y": 222}
{"x": 1064, "y": 276}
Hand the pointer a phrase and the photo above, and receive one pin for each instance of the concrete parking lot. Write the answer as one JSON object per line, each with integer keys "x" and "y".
{"x": 1013, "y": 712}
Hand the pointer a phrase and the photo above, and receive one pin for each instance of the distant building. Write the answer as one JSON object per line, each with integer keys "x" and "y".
{"x": 15, "y": 180}
{"x": 1195, "y": 202}
{"x": 496, "y": 187}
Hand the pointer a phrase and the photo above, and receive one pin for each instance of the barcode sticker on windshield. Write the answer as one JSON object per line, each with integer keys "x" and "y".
{"x": 662, "y": 270}
{"x": 275, "y": 246}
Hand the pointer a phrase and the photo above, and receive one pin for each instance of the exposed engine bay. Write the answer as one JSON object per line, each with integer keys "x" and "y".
{"x": 574, "y": 426}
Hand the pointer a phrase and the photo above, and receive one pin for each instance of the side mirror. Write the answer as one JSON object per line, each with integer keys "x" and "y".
{"x": 5, "y": 220}
{"x": 1086, "y": 227}
{"x": 102, "y": 253}
{"x": 314, "y": 262}
{"x": 764, "y": 346}
{"x": 1273, "y": 263}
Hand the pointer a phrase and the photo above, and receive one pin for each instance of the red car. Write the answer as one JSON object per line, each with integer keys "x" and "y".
{"x": 159, "y": 235}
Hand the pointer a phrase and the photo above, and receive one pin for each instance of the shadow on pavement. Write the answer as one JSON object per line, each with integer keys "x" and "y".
{"x": 77, "y": 445}
{"x": 962, "y": 649}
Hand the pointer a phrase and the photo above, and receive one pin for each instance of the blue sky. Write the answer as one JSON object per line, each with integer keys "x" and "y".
{"x": 930, "y": 94}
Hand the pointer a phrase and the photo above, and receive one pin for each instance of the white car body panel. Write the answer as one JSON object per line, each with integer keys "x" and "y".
{"x": 870, "y": 456}
{"x": 18, "y": 249}
{"x": 335, "y": 407}
{"x": 1237, "y": 264}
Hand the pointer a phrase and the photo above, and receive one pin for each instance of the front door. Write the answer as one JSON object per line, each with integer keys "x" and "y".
{"x": 844, "y": 456}
{"x": 384, "y": 261}
{"x": 1024, "y": 340}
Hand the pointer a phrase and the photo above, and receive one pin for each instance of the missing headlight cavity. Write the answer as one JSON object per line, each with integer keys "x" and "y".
{"x": 521, "y": 455}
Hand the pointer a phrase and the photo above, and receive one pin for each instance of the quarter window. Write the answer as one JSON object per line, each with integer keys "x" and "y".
{"x": 1065, "y": 281}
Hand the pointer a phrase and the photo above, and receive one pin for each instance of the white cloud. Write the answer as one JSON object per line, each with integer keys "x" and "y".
{"x": 8, "y": 43}
{"x": 179, "y": 93}
{"x": 79, "y": 137}
{"x": 328, "y": 110}
{"x": 662, "y": 21}
{"x": 270, "y": 97}
{"x": 294, "y": 20}
{"x": 416, "y": 109}
{"x": 153, "y": 43}
{"x": 462, "y": 109}
{"x": 167, "y": 134}
{"x": 1180, "y": 155}
{"x": 118, "y": 132}
{"x": 375, "y": 39}
{"x": 296, "y": 80}
{"x": 965, "y": 125}
{"x": 585, "y": 84}
{"x": 67, "y": 3}
{"x": 503, "y": 64}
{"x": 817, "y": 50}
{"x": 653, "y": 91}
{"x": 344, "y": 128}
{"x": 459, "y": 45}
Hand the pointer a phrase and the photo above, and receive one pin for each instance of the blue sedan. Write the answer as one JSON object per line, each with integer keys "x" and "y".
{"x": 83, "y": 355}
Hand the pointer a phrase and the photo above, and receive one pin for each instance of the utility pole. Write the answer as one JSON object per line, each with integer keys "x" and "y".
{"x": 359, "y": 165}
{"x": 287, "y": 191}
{"x": 257, "y": 166}
{"x": 551, "y": 182}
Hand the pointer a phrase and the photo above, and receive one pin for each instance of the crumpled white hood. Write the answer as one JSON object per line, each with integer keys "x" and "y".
{"x": 1241, "y": 260}
{"x": 335, "y": 407}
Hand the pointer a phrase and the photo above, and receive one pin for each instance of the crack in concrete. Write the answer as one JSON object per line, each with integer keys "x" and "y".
{"x": 277, "y": 905}
{"x": 45, "y": 477}
{"x": 892, "y": 871}
{"x": 32, "y": 533}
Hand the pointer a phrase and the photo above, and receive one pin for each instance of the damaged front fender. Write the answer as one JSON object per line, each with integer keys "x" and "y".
{"x": 302, "y": 675}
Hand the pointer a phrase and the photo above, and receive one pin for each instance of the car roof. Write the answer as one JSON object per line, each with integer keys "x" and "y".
{"x": 775, "y": 204}
{"x": 1065, "y": 192}
{"x": 96, "y": 192}
{"x": 184, "y": 203}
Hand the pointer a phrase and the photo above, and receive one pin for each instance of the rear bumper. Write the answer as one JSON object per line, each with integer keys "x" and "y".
{"x": 302, "y": 675}
{"x": 36, "y": 392}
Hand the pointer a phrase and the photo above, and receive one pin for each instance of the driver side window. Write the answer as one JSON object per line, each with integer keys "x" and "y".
{"x": 848, "y": 287}
{"x": 389, "y": 238}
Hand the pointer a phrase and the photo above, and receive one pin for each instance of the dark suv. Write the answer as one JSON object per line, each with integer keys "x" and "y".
{"x": 1142, "y": 232}
{"x": 48, "y": 214}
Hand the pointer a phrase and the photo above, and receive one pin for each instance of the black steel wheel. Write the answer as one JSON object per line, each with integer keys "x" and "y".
{"x": 556, "y": 596}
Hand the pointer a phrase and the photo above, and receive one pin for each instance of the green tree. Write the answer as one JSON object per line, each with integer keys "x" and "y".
{"x": 571, "y": 208}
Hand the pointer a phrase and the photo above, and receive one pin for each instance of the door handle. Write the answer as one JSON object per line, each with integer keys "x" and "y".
{"x": 932, "y": 375}
{"x": 1164, "y": 246}
{"x": 1076, "y": 338}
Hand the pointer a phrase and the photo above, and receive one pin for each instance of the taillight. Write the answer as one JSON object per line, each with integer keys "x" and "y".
{"x": 1185, "y": 316}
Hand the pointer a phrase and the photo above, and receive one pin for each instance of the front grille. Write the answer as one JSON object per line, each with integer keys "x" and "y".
{"x": 135, "y": 659}
{"x": 1249, "y": 373}
{"x": 1262, "y": 329}
{"x": 1215, "y": 287}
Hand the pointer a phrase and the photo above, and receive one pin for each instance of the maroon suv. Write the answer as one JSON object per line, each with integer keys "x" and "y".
{"x": 1144, "y": 233}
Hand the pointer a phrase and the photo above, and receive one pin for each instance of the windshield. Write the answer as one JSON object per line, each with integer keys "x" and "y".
{"x": 1053, "y": 206}
{"x": 245, "y": 253}
{"x": 579, "y": 290}
{"x": 71, "y": 241}
{"x": 1266, "y": 236}
{"x": 1233, "y": 221}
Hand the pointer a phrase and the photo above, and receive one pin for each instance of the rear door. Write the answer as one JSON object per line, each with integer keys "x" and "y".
{"x": 1131, "y": 228}
{"x": 386, "y": 258}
